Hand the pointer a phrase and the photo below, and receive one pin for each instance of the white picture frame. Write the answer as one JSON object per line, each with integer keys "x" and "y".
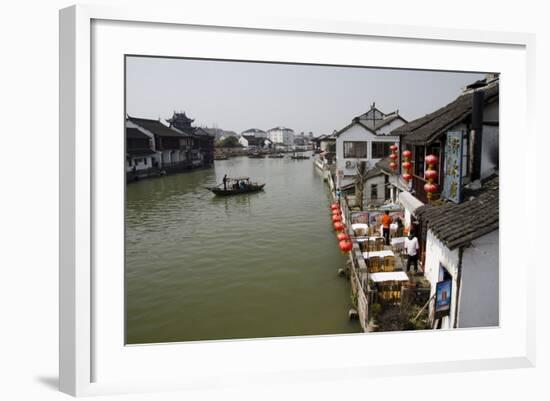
{"x": 89, "y": 362}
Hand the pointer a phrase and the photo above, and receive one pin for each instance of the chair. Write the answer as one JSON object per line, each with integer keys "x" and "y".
{"x": 374, "y": 264}
{"x": 379, "y": 243}
{"x": 389, "y": 263}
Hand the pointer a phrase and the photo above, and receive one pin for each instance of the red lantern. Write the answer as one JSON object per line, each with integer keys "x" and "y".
{"x": 342, "y": 237}
{"x": 407, "y": 165}
{"x": 431, "y": 160}
{"x": 338, "y": 226}
{"x": 430, "y": 188}
{"x": 393, "y": 156}
{"x": 393, "y": 148}
{"x": 334, "y": 206}
{"x": 393, "y": 165}
{"x": 407, "y": 177}
{"x": 407, "y": 153}
{"x": 430, "y": 174}
{"x": 336, "y": 217}
{"x": 336, "y": 213}
{"x": 345, "y": 246}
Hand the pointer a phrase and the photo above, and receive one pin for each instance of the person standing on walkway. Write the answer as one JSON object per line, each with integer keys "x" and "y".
{"x": 224, "y": 182}
{"x": 411, "y": 249}
{"x": 386, "y": 221}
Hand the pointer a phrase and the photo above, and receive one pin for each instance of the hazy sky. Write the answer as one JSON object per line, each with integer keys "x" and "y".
{"x": 240, "y": 95}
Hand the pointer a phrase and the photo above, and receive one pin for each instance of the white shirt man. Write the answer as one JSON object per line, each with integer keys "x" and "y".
{"x": 411, "y": 245}
{"x": 411, "y": 249}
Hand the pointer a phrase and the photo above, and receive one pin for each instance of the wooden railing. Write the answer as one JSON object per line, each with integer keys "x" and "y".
{"x": 418, "y": 188}
{"x": 358, "y": 271}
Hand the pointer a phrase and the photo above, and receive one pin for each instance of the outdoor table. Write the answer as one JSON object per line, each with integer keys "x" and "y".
{"x": 360, "y": 226}
{"x": 370, "y": 239}
{"x": 388, "y": 276}
{"x": 393, "y": 228}
{"x": 397, "y": 240}
{"x": 381, "y": 254}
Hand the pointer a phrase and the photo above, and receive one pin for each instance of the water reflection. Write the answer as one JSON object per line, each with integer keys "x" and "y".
{"x": 254, "y": 265}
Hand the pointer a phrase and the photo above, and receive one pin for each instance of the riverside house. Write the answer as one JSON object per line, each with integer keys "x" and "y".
{"x": 458, "y": 229}
{"x": 154, "y": 148}
{"x": 366, "y": 139}
{"x": 140, "y": 153}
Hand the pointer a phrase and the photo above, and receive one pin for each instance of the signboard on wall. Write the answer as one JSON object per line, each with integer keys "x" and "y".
{"x": 452, "y": 174}
{"x": 443, "y": 298}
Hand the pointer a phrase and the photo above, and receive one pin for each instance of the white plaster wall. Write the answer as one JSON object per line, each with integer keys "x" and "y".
{"x": 379, "y": 182}
{"x": 357, "y": 133}
{"x": 386, "y": 129}
{"x": 479, "y": 292}
{"x": 491, "y": 112}
{"x": 141, "y": 165}
{"x": 436, "y": 253}
{"x": 281, "y": 136}
{"x": 409, "y": 204}
{"x": 490, "y": 150}
{"x": 243, "y": 141}
{"x": 165, "y": 155}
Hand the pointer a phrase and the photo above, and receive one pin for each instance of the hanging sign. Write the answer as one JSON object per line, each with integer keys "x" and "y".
{"x": 452, "y": 175}
{"x": 443, "y": 298}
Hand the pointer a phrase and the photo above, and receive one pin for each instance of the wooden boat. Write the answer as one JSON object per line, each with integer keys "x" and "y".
{"x": 256, "y": 156}
{"x": 299, "y": 157}
{"x": 279, "y": 156}
{"x": 221, "y": 158}
{"x": 235, "y": 186}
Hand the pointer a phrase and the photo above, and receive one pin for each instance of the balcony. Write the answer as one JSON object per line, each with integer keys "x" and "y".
{"x": 418, "y": 189}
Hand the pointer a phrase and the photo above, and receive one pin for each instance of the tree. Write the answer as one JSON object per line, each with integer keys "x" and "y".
{"x": 230, "y": 142}
{"x": 360, "y": 183}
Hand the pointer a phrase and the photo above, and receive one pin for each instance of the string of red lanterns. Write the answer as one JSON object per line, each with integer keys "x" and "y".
{"x": 430, "y": 174}
{"x": 345, "y": 245}
{"x": 393, "y": 157}
{"x": 344, "y": 242}
{"x": 407, "y": 165}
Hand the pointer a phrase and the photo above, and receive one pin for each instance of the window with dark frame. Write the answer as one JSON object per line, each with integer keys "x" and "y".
{"x": 374, "y": 191}
{"x": 355, "y": 150}
{"x": 381, "y": 149}
{"x": 419, "y": 161}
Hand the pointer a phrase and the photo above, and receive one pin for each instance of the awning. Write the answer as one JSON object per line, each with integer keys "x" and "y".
{"x": 409, "y": 202}
{"x": 397, "y": 182}
{"x": 388, "y": 276}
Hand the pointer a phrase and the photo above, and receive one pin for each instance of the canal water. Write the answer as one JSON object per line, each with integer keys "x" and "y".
{"x": 200, "y": 267}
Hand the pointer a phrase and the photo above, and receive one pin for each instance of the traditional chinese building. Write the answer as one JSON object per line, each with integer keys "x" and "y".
{"x": 140, "y": 152}
{"x": 462, "y": 252}
{"x": 366, "y": 139}
{"x": 202, "y": 151}
{"x": 464, "y": 137}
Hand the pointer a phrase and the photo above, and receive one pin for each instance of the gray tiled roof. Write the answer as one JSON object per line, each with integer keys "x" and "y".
{"x": 134, "y": 133}
{"x": 156, "y": 127}
{"x": 425, "y": 129}
{"x": 456, "y": 225}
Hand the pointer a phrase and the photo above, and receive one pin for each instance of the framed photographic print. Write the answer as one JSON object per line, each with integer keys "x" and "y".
{"x": 211, "y": 171}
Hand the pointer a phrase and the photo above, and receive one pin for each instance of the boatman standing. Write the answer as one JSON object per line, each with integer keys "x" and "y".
{"x": 225, "y": 182}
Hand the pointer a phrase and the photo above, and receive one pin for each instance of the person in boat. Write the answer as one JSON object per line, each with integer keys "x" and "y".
{"x": 224, "y": 182}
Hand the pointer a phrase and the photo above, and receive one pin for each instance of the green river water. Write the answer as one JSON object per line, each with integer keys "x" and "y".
{"x": 199, "y": 267}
